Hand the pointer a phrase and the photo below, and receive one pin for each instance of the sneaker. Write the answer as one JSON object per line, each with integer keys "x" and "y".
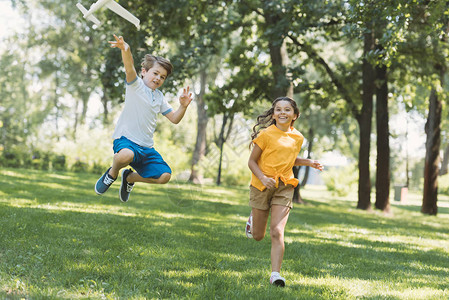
{"x": 104, "y": 183}
{"x": 277, "y": 280}
{"x": 126, "y": 187}
{"x": 249, "y": 227}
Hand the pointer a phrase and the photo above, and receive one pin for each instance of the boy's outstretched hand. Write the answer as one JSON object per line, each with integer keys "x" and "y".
{"x": 119, "y": 43}
{"x": 185, "y": 97}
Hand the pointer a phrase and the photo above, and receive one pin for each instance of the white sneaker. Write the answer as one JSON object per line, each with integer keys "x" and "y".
{"x": 249, "y": 227}
{"x": 277, "y": 280}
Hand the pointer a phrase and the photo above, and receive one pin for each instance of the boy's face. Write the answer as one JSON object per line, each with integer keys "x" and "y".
{"x": 154, "y": 77}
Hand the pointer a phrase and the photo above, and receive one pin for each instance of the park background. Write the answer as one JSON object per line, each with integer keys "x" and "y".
{"x": 370, "y": 78}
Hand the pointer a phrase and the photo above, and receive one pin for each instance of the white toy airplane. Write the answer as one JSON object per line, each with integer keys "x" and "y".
{"x": 112, "y": 5}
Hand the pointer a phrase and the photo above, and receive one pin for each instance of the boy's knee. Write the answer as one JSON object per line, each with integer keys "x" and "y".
{"x": 165, "y": 177}
{"x": 125, "y": 155}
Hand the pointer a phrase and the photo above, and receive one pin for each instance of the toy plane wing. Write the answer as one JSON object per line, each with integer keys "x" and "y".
{"x": 119, "y": 10}
{"x": 112, "y": 5}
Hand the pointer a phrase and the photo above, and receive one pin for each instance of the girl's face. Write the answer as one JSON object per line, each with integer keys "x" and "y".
{"x": 154, "y": 77}
{"x": 284, "y": 113}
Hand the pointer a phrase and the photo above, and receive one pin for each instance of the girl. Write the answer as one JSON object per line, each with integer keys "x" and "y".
{"x": 271, "y": 162}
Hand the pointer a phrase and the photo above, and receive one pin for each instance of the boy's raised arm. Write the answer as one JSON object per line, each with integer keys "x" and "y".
{"x": 127, "y": 57}
{"x": 184, "y": 100}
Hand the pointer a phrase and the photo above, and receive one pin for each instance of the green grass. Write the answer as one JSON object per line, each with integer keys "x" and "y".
{"x": 58, "y": 239}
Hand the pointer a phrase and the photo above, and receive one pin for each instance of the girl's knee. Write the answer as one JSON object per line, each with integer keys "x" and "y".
{"x": 276, "y": 233}
{"x": 258, "y": 236}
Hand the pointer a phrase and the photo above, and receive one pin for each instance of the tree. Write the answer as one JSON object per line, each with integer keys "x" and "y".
{"x": 346, "y": 90}
{"x": 426, "y": 46}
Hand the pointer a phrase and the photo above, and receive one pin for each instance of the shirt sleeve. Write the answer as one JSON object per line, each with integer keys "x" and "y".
{"x": 136, "y": 86}
{"x": 165, "y": 106}
{"x": 261, "y": 140}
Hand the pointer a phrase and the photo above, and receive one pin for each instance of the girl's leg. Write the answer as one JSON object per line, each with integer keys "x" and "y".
{"x": 279, "y": 217}
{"x": 135, "y": 177}
{"x": 121, "y": 159}
{"x": 259, "y": 224}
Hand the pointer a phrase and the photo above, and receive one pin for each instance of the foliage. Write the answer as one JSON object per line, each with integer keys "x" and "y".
{"x": 61, "y": 240}
{"x": 235, "y": 170}
{"x": 15, "y": 157}
{"x": 80, "y": 167}
{"x": 41, "y": 160}
{"x": 21, "y": 112}
{"x": 66, "y": 66}
{"x": 341, "y": 181}
{"x": 59, "y": 162}
{"x": 443, "y": 184}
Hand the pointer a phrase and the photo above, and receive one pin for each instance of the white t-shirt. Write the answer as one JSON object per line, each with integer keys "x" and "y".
{"x": 138, "y": 119}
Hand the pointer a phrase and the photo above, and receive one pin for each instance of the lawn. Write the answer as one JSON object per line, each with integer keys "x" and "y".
{"x": 58, "y": 239}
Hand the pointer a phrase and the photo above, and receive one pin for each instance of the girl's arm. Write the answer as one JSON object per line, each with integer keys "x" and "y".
{"x": 309, "y": 163}
{"x": 127, "y": 57}
{"x": 254, "y": 167}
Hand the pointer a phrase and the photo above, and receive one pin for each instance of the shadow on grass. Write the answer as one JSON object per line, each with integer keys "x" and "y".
{"x": 81, "y": 244}
{"x": 342, "y": 212}
{"x": 64, "y": 252}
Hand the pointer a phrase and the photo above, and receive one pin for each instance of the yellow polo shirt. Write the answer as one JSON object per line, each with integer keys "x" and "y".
{"x": 279, "y": 152}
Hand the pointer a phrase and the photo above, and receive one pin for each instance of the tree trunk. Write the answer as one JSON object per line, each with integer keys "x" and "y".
{"x": 200, "y": 145}
{"x": 222, "y": 138}
{"x": 104, "y": 101}
{"x": 283, "y": 87}
{"x": 84, "y": 111}
{"x": 297, "y": 193}
{"x": 57, "y": 106}
{"x": 364, "y": 120}
{"x": 445, "y": 162}
{"x": 433, "y": 140}
{"x": 279, "y": 61}
{"x": 383, "y": 145}
{"x": 220, "y": 162}
{"x": 76, "y": 121}
{"x": 407, "y": 156}
{"x": 309, "y": 150}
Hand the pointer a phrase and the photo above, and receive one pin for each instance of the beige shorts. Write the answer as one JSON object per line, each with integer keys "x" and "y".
{"x": 265, "y": 199}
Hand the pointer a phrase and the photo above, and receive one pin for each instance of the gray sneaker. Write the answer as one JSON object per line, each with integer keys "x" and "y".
{"x": 125, "y": 187}
{"x": 104, "y": 183}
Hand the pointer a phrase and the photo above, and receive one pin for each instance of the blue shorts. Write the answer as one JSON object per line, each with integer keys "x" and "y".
{"x": 147, "y": 161}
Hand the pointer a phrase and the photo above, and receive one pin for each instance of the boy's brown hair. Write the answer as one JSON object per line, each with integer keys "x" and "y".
{"x": 149, "y": 61}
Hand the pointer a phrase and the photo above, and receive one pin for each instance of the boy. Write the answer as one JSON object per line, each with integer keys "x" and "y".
{"x": 133, "y": 135}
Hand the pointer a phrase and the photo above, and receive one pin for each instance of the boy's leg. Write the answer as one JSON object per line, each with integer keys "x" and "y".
{"x": 259, "y": 223}
{"x": 135, "y": 177}
{"x": 279, "y": 217}
{"x": 121, "y": 159}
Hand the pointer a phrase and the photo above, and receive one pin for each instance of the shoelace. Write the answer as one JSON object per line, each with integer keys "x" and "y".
{"x": 129, "y": 187}
{"x": 107, "y": 180}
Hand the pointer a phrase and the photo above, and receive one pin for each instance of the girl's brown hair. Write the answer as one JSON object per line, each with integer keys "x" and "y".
{"x": 265, "y": 119}
{"x": 149, "y": 61}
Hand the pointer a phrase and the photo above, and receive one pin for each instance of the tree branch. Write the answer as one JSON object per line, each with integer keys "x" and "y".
{"x": 319, "y": 60}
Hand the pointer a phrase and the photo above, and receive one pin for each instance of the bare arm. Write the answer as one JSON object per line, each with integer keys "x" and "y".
{"x": 254, "y": 167}
{"x": 309, "y": 163}
{"x": 184, "y": 101}
{"x": 127, "y": 57}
